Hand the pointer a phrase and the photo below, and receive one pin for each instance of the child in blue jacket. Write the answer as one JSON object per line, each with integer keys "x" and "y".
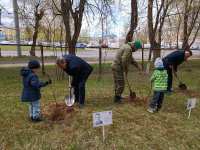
{"x": 31, "y": 89}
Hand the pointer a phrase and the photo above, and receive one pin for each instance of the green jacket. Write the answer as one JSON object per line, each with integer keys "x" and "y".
{"x": 159, "y": 79}
{"x": 124, "y": 58}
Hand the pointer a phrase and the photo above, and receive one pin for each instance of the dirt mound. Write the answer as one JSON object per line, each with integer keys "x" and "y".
{"x": 139, "y": 101}
{"x": 188, "y": 93}
{"x": 57, "y": 111}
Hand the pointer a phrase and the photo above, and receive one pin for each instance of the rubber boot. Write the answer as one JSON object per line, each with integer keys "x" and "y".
{"x": 117, "y": 99}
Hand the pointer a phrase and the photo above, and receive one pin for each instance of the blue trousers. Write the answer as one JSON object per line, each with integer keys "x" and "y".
{"x": 79, "y": 92}
{"x": 157, "y": 100}
{"x": 170, "y": 79}
{"x": 34, "y": 109}
{"x": 170, "y": 76}
{"x": 78, "y": 84}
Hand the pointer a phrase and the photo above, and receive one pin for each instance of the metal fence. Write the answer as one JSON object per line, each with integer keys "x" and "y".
{"x": 96, "y": 54}
{"x": 8, "y": 50}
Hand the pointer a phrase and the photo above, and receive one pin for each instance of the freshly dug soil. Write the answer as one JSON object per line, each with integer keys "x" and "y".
{"x": 57, "y": 111}
{"x": 139, "y": 101}
{"x": 188, "y": 93}
{"x": 132, "y": 96}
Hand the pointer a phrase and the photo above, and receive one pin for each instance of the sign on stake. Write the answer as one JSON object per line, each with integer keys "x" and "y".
{"x": 191, "y": 103}
{"x": 101, "y": 119}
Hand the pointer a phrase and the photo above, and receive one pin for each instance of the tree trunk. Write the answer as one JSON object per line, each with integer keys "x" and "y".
{"x": 35, "y": 35}
{"x": 77, "y": 16}
{"x": 156, "y": 50}
{"x": 134, "y": 21}
{"x": 185, "y": 26}
{"x": 38, "y": 16}
{"x": 150, "y": 27}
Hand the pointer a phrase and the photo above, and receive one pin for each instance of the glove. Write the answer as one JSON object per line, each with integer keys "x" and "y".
{"x": 48, "y": 82}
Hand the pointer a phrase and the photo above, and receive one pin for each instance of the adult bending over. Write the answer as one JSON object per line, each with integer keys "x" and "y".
{"x": 171, "y": 63}
{"x": 80, "y": 71}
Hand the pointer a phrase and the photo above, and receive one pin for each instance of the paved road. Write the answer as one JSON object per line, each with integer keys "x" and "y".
{"x": 94, "y": 53}
{"x": 107, "y": 55}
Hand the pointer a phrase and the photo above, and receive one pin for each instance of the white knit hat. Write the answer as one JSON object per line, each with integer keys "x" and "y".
{"x": 158, "y": 63}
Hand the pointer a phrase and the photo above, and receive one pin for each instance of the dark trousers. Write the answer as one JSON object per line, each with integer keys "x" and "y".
{"x": 157, "y": 100}
{"x": 78, "y": 84}
{"x": 170, "y": 78}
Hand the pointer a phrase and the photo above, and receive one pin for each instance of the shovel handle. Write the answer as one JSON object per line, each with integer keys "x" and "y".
{"x": 128, "y": 83}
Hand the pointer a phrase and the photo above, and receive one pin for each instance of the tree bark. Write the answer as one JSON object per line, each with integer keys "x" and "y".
{"x": 185, "y": 26}
{"x": 150, "y": 27}
{"x": 134, "y": 21}
{"x": 76, "y": 15}
{"x": 191, "y": 16}
{"x": 155, "y": 30}
{"x": 38, "y": 16}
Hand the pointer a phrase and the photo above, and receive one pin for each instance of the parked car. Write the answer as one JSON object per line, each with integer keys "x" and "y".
{"x": 104, "y": 45}
{"x": 81, "y": 45}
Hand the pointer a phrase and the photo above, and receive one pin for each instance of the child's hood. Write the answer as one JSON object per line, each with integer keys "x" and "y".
{"x": 25, "y": 71}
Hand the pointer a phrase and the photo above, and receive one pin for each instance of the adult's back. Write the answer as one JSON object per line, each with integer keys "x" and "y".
{"x": 175, "y": 58}
{"x": 76, "y": 65}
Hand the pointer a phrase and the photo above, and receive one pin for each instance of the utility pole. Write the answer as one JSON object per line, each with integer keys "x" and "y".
{"x": 16, "y": 19}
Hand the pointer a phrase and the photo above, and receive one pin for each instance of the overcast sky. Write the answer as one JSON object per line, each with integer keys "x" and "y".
{"x": 7, "y": 12}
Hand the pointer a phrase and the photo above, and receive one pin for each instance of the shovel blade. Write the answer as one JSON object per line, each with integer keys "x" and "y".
{"x": 132, "y": 95}
{"x": 69, "y": 100}
{"x": 182, "y": 86}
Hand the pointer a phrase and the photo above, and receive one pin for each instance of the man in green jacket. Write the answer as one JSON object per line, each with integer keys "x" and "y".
{"x": 159, "y": 79}
{"x": 121, "y": 64}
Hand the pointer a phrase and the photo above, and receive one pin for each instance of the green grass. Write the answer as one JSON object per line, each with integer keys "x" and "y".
{"x": 133, "y": 128}
{"x": 27, "y": 48}
{"x": 7, "y": 47}
{"x": 24, "y": 59}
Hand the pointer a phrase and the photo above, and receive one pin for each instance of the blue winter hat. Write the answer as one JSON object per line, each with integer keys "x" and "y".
{"x": 33, "y": 64}
{"x": 158, "y": 63}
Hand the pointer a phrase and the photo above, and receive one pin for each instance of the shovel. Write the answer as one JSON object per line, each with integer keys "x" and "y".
{"x": 181, "y": 85}
{"x": 69, "y": 100}
{"x": 132, "y": 94}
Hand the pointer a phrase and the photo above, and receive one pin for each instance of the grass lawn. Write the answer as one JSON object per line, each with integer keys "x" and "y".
{"x": 23, "y": 48}
{"x": 24, "y": 59}
{"x": 133, "y": 127}
{"x": 27, "y": 48}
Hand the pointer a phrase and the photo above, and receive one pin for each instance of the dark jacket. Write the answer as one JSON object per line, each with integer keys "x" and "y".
{"x": 77, "y": 67}
{"x": 174, "y": 59}
{"x": 31, "y": 86}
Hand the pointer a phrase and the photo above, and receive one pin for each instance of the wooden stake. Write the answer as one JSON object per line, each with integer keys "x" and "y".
{"x": 189, "y": 113}
{"x": 103, "y": 132}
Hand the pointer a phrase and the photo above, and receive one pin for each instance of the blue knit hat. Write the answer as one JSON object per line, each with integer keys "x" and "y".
{"x": 33, "y": 64}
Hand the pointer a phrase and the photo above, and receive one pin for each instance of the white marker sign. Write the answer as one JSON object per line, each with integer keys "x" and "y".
{"x": 102, "y": 118}
{"x": 191, "y": 103}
